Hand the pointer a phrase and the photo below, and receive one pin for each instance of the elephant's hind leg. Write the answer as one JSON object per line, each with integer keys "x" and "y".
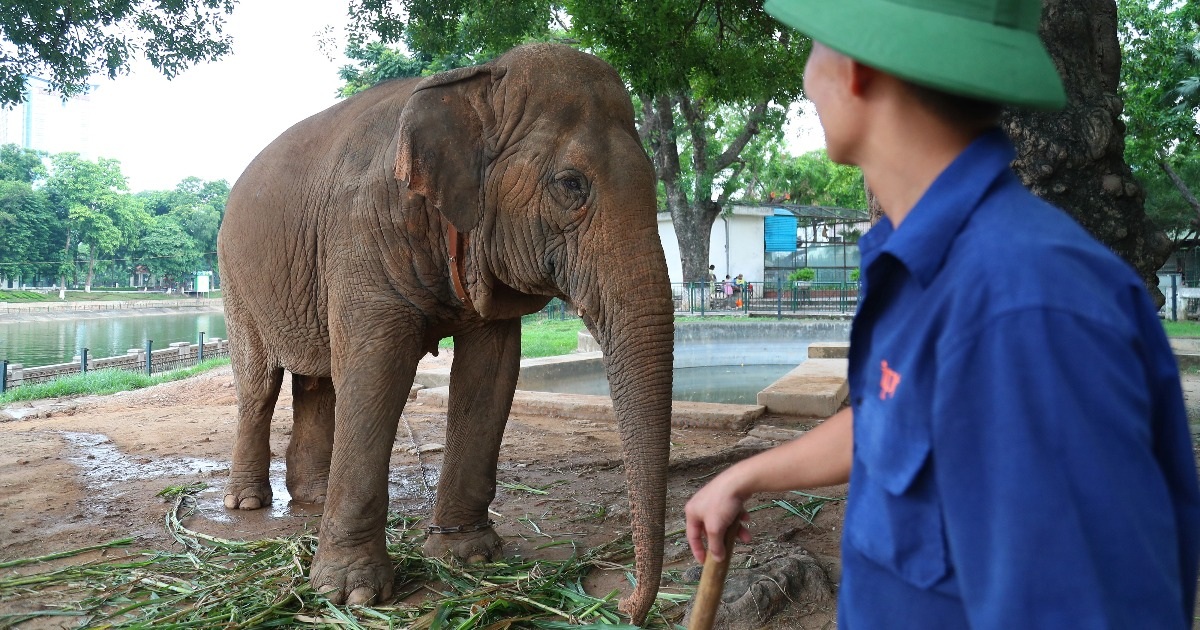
{"x": 257, "y": 384}
{"x": 311, "y": 447}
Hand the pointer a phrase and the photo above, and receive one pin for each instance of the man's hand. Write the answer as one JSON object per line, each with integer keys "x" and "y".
{"x": 713, "y": 510}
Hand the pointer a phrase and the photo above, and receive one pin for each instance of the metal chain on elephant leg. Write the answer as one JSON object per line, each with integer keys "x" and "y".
{"x": 416, "y": 449}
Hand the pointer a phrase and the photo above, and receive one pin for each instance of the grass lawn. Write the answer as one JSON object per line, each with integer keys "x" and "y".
{"x": 100, "y": 382}
{"x": 1182, "y": 329}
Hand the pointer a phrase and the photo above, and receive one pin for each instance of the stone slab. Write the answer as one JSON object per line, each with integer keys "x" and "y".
{"x": 816, "y": 388}
{"x": 829, "y": 350}
{"x": 683, "y": 414}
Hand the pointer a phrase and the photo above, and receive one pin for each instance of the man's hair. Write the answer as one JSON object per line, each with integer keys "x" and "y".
{"x": 960, "y": 111}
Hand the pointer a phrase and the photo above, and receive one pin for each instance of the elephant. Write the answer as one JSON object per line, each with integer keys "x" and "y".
{"x": 425, "y": 208}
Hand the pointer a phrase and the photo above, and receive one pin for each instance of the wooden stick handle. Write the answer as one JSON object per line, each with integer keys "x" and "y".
{"x": 712, "y": 582}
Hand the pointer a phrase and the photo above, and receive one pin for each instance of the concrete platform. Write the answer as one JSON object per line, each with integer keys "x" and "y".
{"x": 829, "y": 350}
{"x": 816, "y": 388}
{"x": 683, "y": 414}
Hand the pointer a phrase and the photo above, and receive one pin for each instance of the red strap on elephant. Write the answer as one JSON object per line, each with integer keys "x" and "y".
{"x": 458, "y": 248}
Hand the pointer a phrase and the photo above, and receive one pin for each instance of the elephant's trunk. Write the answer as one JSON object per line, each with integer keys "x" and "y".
{"x": 633, "y": 321}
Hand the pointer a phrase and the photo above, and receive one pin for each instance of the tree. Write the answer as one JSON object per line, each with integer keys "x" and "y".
{"x": 1158, "y": 85}
{"x": 28, "y": 229}
{"x": 810, "y": 179}
{"x": 167, "y": 251}
{"x": 69, "y": 41}
{"x": 18, "y": 164}
{"x": 1074, "y": 158}
{"x": 91, "y": 198}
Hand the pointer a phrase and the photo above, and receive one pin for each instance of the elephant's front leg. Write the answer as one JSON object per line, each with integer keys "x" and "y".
{"x": 351, "y": 564}
{"x": 482, "y": 379}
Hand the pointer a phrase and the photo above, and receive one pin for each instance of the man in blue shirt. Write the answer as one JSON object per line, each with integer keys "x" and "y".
{"x": 1016, "y": 441}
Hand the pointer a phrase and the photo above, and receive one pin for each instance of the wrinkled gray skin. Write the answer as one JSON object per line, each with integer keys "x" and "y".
{"x": 335, "y": 266}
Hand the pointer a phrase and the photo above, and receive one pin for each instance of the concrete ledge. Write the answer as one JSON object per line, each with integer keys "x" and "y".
{"x": 816, "y": 388}
{"x": 829, "y": 350}
{"x": 683, "y": 414}
{"x": 541, "y": 368}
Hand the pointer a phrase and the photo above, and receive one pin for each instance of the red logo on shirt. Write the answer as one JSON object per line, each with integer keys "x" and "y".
{"x": 888, "y": 381}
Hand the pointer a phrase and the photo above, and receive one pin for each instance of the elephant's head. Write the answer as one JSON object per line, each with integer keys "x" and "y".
{"x": 536, "y": 158}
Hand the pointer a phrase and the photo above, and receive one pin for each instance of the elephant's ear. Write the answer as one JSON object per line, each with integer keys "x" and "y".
{"x": 441, "y": 153}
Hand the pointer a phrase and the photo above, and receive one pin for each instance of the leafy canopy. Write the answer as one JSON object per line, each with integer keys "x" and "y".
{"x": 70, "y": 41}
{"x": 1160, "y": 40}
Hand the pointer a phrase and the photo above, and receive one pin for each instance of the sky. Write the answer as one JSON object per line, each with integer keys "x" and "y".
{"x": 211, "y": 120}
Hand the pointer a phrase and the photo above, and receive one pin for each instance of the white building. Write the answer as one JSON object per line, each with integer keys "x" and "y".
{"x": 765, "y": 242}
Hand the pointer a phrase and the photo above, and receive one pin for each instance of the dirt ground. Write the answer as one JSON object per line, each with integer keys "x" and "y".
{"x": 82, "y": 472}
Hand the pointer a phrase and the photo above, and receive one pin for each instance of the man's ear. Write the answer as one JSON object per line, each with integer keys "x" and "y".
{"x": 441, "y": 152}
{"x": 861, "y": 77}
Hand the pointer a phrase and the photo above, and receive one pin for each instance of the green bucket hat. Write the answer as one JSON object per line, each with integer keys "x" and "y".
{"x": 983, "y": 49}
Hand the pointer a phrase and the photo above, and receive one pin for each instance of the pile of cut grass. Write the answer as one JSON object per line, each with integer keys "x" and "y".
{"x": 215, "y": 582}
{"x": 103, "y": 382}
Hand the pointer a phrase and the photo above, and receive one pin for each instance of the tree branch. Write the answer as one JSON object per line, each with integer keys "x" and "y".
{"x": 695, "y": 125}
{"x": 756, "y": 116}
{"x": 1180, "y": 186}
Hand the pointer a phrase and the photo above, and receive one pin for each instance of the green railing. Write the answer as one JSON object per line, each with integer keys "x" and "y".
{"x": 778, "y": 298}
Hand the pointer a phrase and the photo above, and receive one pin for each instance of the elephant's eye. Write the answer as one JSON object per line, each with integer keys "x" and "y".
{"x": 572, "y": 183}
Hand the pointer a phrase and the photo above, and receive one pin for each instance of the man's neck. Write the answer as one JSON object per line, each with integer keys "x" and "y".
{"x": 905, "y": 156}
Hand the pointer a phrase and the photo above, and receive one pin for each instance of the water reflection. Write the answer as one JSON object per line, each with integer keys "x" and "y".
{"x": 57, "y": 341}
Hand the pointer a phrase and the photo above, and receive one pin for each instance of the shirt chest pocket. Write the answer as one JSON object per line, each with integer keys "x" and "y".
{"x": 894, "y": 515}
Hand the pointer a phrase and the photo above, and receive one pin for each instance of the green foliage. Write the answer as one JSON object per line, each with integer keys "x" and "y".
{"x": 168, "y": 251}
{"x": 725, "y": 51}
{"x": 375, "y": 63}
{"x": 1159, "y": 44}
{"x": 28, "y": 230}
{"x": 68, "y": 43}
{"x": 102, "y": 382}
{"x": 79, "y": 214}
{"x": 803, "y": 274}
{"x": 811, "y": 179}
{"x": 18, "y": 164}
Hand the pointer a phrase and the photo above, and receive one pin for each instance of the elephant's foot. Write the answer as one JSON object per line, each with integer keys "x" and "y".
{"x": 310, "y": 489}
{"x": 352, "y": 575}
{"x": 482, "y": 545}
{"x": 247, "y": 494}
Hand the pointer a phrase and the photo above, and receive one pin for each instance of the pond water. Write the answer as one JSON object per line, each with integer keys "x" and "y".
{"x": 57, "y": 341}
{"x": 728, "y": 384}
{"x": 718, "y": 362}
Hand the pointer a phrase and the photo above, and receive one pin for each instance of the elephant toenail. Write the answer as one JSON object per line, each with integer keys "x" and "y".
{"x": 361, "y": 596}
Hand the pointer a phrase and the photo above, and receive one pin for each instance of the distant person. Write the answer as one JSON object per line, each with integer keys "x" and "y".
{"x": 1019, "y": 455}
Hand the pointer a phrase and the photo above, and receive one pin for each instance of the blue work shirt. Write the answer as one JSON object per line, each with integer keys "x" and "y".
{"x": 1021, "y": 451}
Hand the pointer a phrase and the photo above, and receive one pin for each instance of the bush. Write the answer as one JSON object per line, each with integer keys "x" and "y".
{"x": 804, "y": 274}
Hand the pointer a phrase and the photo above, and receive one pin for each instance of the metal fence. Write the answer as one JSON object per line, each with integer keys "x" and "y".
{"x": 780, "y": 298}
{"x": 145, "y": 360}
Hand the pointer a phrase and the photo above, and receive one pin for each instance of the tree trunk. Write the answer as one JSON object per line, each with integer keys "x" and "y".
{"x": 87, "y": 286}
{"x": 1075, "y": 158}
{"x": 62, "y": 274}
{"x": 873, "y": 206}
{"x": 693, "y": 229}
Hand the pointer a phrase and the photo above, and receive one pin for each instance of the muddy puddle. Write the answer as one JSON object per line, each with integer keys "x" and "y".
{"x": 107, "y": 469}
